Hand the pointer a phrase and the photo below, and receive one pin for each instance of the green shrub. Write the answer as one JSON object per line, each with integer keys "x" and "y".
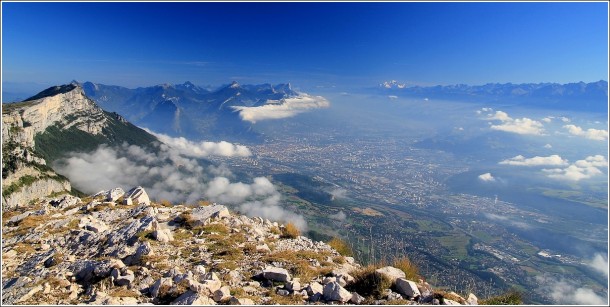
{"x": 512, "y": 297}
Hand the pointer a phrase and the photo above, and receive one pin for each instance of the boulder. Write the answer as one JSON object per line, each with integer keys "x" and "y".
{"x": 163, "y": 282}
{"x": 314, "y": 288}
{"x": 163, "y": 235}
{"x": 201, "y": 214}
{"x": 472, "y": 299}
{"x": 391, "y": 272}
{"x": 193, "y": 298}
{"x": 450, "y": 302}
{"x": 92, "y": 224}
{"x": 122, "y": 277}
{"x": 276, "y": 274}
{"x": 294, "y": 285}
{"x": 356, "y": 299}
{"x": 334, "y": 292}
{"x": 407, "y": 288}
{"x": 240, "y": 301}
{"x": 137, "y": 195}
{"x": 114, "y": 194}
{"x": 222, "y": 294}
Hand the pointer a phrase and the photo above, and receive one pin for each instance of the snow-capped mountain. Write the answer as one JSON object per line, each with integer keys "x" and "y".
{"x": 571, "y": 96}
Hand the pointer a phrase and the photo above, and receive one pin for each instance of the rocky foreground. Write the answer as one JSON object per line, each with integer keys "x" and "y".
{"x": 120, "y": 248}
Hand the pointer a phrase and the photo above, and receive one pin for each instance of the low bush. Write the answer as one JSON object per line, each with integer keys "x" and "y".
{"x": 290, "y": 231}
{"x": 368, "y": 283}
{"x": 341, "y": 246}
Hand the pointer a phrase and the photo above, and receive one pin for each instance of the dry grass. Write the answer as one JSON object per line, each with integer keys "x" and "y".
{"x": 212, "y": 228}
{"x": 405, "y": 265}
{"x": 290, "y": 231}
{"x": 369, "y": 283}
{"x": 123, "y": 292}
{"x": 341, "y": 247}
{"x": 284, "y": 300}
{"x": 24, "y": 248}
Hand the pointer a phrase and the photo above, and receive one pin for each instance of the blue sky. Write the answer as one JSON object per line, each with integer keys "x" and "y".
{"x": 308, "y": 44}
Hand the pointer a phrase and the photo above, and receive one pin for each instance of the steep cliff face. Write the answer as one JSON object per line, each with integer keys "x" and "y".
{"x": 43, "y": 128}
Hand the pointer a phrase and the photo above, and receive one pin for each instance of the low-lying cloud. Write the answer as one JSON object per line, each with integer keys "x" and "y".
{"x": 566, "y": 292}
{"x": 202, "y": 149}
{"x": 579, "y": 170}
{"x": 507, "y": 220}
{"x": 592, "y": 134}
{"x": 519, "y": 125}
{"x": 599, "y": 263}
{"x": 520, "y": 160}
{"x": 339, "y": 216}
{"x": 487, "y": 177}
{"x": 171, "y": 174}
{"x": 276, "y": 109}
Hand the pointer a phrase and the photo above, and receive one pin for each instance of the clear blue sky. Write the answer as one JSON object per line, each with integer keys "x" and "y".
{"x": 309, "y": 44}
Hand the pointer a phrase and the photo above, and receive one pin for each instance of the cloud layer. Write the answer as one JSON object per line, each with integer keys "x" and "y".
{"x": 202, "y": 149}
{"x": 579, "y": 170}
{"x": 170, "y": 174}
{"x": 520, "y": 160}
{"x": 284, "y": 108}
{"x": 520, "y": 125}
{"x": 569, "y": 293}
{"x": 600, "y": 264}
{"x": 593, "y": 134}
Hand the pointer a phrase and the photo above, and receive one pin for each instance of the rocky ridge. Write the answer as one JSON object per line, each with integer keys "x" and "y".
{"x": 120, "y": 248}
{"x": 42, "y": 128}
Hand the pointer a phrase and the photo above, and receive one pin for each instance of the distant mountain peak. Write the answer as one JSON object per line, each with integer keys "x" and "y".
{"x": 234, "y": 84}
{"x": 393, "y": 84}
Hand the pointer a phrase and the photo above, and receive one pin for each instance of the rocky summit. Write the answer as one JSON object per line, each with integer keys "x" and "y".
{"x": 117, "y": 248}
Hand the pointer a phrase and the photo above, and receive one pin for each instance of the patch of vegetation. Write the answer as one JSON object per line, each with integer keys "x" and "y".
{"x": 341, "y": 246}
{"x": 123, "y": 292}
{"x": 145, "y": 235}
{"x": 24, "y": 181}
{"x": 404, "y": 264}
{"x": 276, "y": 299}
{"x": 367, "y": 282}
{"x": 512, "y": 297}
{"x": 290, "y": 231}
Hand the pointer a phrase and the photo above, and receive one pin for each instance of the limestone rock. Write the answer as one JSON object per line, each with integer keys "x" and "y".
{"x": 193, "y": 298}
{"x": 114, "y": 194}
{"x": 222, "y": 294}
{"x": 407, "y": 288}
{"x": 240, "y": 301}
{"x": 391, "y": 272}
{"x": 472, "y": 299}
{"x": 334, "y": 292}
{"x": 356, "y": 299}
{"x": 159, "y": 284}
{"x": 137, "y": 195}
{"x": 276, "y": 274}
{"x": 201, "y": 214}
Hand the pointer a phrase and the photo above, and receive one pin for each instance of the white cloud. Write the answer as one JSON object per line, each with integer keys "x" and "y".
{"x": 593, "y": 134}
{"x": 565, "y": 119}
{"x": 518, "y": 224}
{"x": 548, "y": 146}
{"x": 600, "y": 263}
{"x": 520, "y": 160}
{"x": 202, "y": 149}
{"x": 170, "y": 174}
{"x": 487, "y": 177}
{"x": 284, "y": 108}
{"x": 339, "y": 193}
{"x": 520, "y": 125}
{"x": 340, "y": 216}
{"x": 547, "y": 119}
{"x": 581, "y": 169}
{"x": 568, "y": 293}
{"x": 392, "y": 97}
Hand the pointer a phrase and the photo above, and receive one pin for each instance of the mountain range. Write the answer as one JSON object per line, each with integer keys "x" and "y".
{"x": 195, "y": 112}
{"x": 581, "y": 96}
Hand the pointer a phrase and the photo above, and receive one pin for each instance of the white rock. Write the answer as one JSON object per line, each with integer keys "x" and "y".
{"x": 240, "y": 301}
{"x": 334, "y": 292}
{"x": 391, "y": 272}
{"x": 450, "y": 302}
{"x": 114, "y": 194}
{"x": 137, "y": 195}
{"x": 314, "y": 288}
{"x": 163, "y": 235}
{"x": 356, "y": 298}
{"x": 472, "y": 299}
{"x": 193, "y": 298}
{"x": 222, "y": 294}
{"x": 162, "y": 282}
{"x": 407, "y": 288}
{"x": 276, "y": 274}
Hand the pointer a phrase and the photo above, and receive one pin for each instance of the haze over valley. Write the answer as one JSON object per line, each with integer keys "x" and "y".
{"x": 494, "y": 182}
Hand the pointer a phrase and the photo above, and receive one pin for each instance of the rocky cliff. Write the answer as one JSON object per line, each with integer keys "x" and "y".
{"x": 45, "y": 127}
{"x": 120, "y": 248}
